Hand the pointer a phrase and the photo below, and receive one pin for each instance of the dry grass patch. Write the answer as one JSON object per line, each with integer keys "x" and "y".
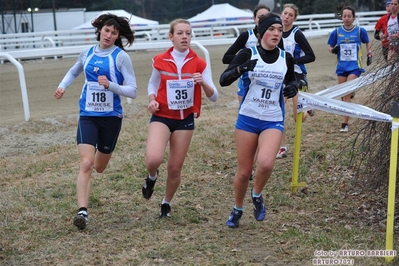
{"x": 39, "y": 200}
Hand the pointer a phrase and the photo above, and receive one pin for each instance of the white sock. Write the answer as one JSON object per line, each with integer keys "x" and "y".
{"x": 164, "y": 201}
{"x": 153, "y": 178}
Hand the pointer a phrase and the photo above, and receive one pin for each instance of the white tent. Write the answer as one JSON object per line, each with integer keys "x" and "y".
{"x": 222, "y": 12}
{"x": 134, "y": 20}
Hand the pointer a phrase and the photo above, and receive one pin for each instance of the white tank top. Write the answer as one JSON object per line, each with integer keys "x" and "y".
{"x": 263, "y": 100}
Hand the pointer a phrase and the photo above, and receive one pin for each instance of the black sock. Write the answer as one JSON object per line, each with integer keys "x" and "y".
{"x": 83, "y": 209}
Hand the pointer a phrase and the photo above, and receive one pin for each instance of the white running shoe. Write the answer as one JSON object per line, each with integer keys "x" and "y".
{"x": 344, "y": 128}
{"x": 282, "y": 153}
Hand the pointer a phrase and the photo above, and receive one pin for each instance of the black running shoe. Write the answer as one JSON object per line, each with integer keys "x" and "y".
{"x": 165, "y": 211}
{"x": 81, "y": 220}
{"x": 148, "y": 188}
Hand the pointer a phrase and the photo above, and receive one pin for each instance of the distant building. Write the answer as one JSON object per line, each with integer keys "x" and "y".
{"x": 41, "y": 20}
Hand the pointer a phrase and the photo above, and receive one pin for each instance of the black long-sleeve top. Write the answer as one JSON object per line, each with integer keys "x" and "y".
{"x": 300, "y": 38}
{"x": 231, "y": 74}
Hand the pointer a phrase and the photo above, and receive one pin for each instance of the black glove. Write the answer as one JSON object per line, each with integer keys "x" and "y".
{"x": 377, "y": 35}
{"x": 335, "y": 50}
{"x": 302, "y": 86}
{"x": 290, "y": 91}
{"x": 369, "y": 60}
{"x": 247, "y": 66}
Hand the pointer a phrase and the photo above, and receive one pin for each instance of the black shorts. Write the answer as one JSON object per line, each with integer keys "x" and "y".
{"x": 99, "y": 131}
{"x": 174, "y": 124}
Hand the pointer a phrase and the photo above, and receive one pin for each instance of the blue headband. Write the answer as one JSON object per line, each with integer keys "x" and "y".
{"x": 266, "y": 23}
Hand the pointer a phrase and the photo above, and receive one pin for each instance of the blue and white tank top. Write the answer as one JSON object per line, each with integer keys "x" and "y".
{"x": 95, "y": 100}
{"x": 292, "y": 47}
{"x": 252, "y": 39}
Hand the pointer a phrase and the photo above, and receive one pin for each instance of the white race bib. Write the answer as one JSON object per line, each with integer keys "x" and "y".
{"x": 98, "y": 99}
{"x": 180, "y": 94}
{"x": 264, "y": 95}
{"x": 348, "y": 51}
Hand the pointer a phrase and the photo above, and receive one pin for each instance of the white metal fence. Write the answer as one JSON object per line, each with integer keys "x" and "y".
{"x": 12, "y": 56}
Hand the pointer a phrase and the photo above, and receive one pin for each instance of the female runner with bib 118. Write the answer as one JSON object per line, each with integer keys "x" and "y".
{"x": 109, "y": 75}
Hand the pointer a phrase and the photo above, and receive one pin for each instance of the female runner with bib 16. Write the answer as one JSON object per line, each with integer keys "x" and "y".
{"x": 265, "y": 69}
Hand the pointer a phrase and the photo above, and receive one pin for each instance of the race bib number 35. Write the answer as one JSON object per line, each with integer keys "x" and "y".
{"x": 180, "y": 94}
{"x": 98, "y": 99}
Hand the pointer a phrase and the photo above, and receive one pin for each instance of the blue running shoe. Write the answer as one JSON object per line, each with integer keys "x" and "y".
{"x": 234, "y": 218}
{"x": 259, "y": 208}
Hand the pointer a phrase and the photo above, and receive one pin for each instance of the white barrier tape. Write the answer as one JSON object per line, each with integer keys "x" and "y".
{"x": 324, "y": 100}
{"x": 311, "y": 101}
{"x": 348, "y": 87}
{"x": 395, "y": 126}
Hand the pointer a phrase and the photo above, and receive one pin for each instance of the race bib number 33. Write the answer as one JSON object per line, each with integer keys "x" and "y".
{"x": 180, "y": 94}
{"x": 348, "y": 51}
{"x": 98, "y": 99}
